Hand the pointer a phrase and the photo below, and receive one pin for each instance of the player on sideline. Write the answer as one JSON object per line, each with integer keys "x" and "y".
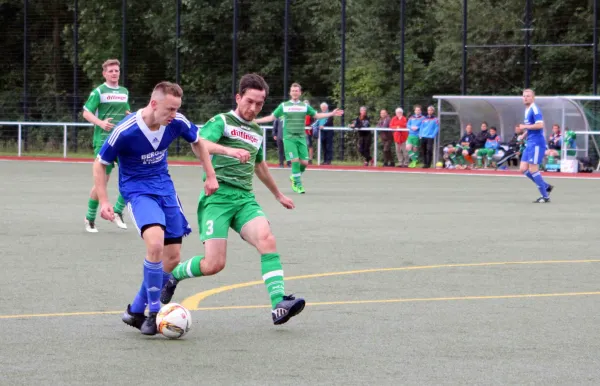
{"x": 107, "y": 102}
{"x": 294, "y": 114}
{"x": 229, "y": 136}
{"x": 535, "y": 146}
{"x": 141, "y": 142}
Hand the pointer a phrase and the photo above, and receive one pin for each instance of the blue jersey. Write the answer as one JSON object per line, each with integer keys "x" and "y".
{"x": 142, "y": 154}
{"x": 414, "y": 124}
{"x": 533, "y": 115}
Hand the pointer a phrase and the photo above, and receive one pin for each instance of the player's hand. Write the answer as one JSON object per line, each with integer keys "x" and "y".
{"x": 211, "y": 185}
{"x": 286, "y": 202}
{"x": 106, "y": 211}
{"x": 241, "y": 154}
{"x": 275, "y": 138}
{"x": 338, "y": 112}
{"x": 106, "y": 125}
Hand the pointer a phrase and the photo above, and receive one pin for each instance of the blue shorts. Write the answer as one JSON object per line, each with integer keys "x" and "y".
{"x": 534, "y": 152}
{"x": 163, "y": 210}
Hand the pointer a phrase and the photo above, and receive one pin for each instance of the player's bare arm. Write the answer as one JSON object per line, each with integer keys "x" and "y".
{"x": 262, "y": 172}
{"x": 104, "y": 124}
{"x": 210, "y": 185}
{"x": 214, "y": 148}
{"x": 100, "y": 181}
{"x": 267, "y": 119}
{"x": 535, "y": 126}
{"x": 334, "y": 113}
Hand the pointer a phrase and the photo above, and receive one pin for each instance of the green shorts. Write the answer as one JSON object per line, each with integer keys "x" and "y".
{"x": 110, "y": 167}
{"x": 227, "y": 207}
{"x": 486, "y": 152}
{"x": 413, "y": 140}
{"x": 295, "y": 148}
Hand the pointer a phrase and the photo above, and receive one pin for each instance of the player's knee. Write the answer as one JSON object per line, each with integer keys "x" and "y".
{"x": 155, "y": 249}
{"x": 266, "y": 243}
{"x": 213, "y": 265}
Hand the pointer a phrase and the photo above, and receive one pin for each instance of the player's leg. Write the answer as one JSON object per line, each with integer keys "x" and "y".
{"x": 252, "y": 225}
{"x": 292, "y": 154}
{"x": 90, "y": 216}
{"x": 215, "y": 214}
{"x": 119, "y": 204}
{"x": 532, "y": 157}
{"x": 303, "y": 155}
{"x": 149, "y": 218}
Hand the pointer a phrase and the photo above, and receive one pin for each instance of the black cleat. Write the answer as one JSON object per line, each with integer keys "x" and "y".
{"x": 133, "y": 319}
{"x": 149, "y": 325}
{"x": 287, "y": 308}
{"x": 168, "y": 290}
{"x": 542, "y": 200}
{"x": 549, "y": 188}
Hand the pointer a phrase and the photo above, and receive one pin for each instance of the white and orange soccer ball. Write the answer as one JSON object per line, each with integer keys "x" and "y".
{"x": 173, "y": 320}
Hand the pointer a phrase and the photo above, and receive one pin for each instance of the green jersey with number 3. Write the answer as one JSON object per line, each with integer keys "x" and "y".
{"x": 107, "y": 102}
{"x": 230, "y": 130}
{"x": 294, "y": 115}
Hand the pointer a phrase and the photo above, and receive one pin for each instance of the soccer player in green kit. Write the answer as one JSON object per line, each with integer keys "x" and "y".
{"x": 235, "y": 142}
{"x": 294, "y": 139}
{"x": 106, "y": 106}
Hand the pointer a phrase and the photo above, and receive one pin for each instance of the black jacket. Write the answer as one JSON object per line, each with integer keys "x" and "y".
{"x": 362, "y": 123}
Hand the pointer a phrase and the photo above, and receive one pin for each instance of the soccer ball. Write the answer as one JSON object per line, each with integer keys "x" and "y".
{"x": 173, "y": 321}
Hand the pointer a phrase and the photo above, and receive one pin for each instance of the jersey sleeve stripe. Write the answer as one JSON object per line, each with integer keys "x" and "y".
{"x": 182, "y": 118}
{"x": 115, "y": 134}
{"x": 103, "y": 162}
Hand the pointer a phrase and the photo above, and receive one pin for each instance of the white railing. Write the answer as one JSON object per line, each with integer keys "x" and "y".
{"x": 66, "y": 125}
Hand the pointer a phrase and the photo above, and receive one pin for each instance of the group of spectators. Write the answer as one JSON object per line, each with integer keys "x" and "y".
{"x": 413, "y": 140}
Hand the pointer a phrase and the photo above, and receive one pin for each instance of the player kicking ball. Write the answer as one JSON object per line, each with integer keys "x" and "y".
{"x": 235, "y": 142}
{"x": 140, "y": 142}
{"x": 535, "y": 146}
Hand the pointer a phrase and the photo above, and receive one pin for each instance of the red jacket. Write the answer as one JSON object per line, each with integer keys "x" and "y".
{"x": 307, "y": 122}
{"x": 399, "y": 123}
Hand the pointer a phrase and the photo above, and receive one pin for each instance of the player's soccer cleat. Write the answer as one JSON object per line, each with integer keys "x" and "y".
{"x": 149, "y": 325}
{"x": 300, "y": 189}
{"x": 287, "y": 308}
{"x": 542, "y": 200}
{"x": 168, "y": 290}
{"x": 90, "y": 226}
{"x": 119, "y": 221}
{"x": 133, "y": 319}
{"x": 412, "y": 164}
{"x": 549, "y": 188}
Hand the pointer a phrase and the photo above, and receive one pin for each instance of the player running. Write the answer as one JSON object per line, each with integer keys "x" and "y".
{"x": 535, "y": 146}
{"x": 294, "y": 114}
{"x": 141, "y": 142}
{"x": 107, "y": 105}
{"x": 233, "y": 138}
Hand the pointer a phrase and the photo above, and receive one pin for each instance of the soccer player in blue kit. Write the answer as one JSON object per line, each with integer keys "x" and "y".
{"x": 535, "y": 146}
{"x": 140, "y": 142}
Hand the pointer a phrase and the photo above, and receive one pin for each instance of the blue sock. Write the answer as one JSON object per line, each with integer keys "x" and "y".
{"x": 141, "y": 300}
{"x": 166, "y": 277}
{"x": 153, "y": 277}
{"x": 541, "y": 184}
{"x": 528, "y": 175}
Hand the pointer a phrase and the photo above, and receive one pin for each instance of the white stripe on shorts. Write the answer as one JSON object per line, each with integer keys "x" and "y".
{"x": 133, "y": 218}
{"x": 536, "y": 155}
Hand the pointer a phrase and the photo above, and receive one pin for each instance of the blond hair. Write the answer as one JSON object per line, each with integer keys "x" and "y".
{"x": 110, "y": 62}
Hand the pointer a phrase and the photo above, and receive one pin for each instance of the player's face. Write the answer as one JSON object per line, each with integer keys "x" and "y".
{"x": 166, "y": 109}
{"x": 111, "y": 74}
{"x": 418, "y": 111}
{"x": 469, "y": 129}
{"x": 250, "y": 104}
{"x": 295, "y": 93}
{"x": 430, "y": 110}
{"x": 555, "y": 129}
{"x": 527, "y": 98}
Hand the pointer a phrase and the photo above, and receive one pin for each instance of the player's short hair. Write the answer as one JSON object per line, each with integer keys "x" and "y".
{"x": 168, "y": 88}
{"x": 110, "y": 62}
{"x": 493, "y": 128}
{"x": 296, "y": 85}
{"x": 529, "y": 90}
{"x": 254, "y": 82}
{"x": 484, "y": 123}
{"x": 417, "y": 107}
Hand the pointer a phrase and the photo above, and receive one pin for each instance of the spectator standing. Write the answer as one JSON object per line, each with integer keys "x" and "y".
{"x": 364, "y": 136}
{"x": 399, "y": 122}
{"x": 326, "y": 136}
{"x": 429, "y": 130}
{"x": 387, "y": 137}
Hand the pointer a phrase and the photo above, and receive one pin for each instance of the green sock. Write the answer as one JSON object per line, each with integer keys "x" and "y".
{"x": 92, "y": 209}
{"x": 272, "y": 274}
{"x": 411, "y": 155}
{"x": 302, "y": 168}
{"x": 120, "y": 205}
{"x": 296, "y": 171}
{"x": 479, "y": 159}
{"x": 188, "y": 269}
{"x": 460, "y": 159}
